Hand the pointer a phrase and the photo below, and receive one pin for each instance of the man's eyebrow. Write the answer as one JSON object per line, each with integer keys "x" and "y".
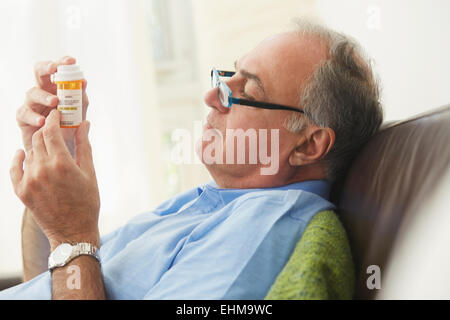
{"x": 251, "y": 76}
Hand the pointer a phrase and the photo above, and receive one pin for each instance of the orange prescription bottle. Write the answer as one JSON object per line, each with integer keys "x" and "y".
{"x": 69, "y": 80}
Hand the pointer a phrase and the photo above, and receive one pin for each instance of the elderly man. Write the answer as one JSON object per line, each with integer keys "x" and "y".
{"x": 310, "y": 89}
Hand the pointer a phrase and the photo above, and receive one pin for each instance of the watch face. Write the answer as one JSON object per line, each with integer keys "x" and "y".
{"x": 62, "y": 253}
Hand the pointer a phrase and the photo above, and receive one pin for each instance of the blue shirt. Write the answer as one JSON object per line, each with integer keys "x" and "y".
{"x": 206, "y": 243}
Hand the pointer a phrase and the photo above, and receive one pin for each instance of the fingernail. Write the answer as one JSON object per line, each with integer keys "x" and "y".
{"x": 50, "y": 67}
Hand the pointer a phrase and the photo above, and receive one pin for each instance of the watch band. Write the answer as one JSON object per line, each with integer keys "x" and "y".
{"x": 84, "y": 248}
{"x": 66, "y": 252}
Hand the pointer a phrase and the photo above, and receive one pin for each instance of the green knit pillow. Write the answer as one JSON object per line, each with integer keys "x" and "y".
{"x": 321, "y": 266}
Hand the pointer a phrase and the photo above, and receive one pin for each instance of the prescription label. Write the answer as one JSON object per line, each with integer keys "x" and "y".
{"x": 71, "y": 107}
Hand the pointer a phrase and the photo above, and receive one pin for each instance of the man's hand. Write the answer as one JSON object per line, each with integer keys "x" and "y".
{"x": 61, "y": 192}
{"x": 41, "y": 99}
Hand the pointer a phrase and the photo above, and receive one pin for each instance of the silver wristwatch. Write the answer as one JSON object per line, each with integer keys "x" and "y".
{"x": 65, "y": 252}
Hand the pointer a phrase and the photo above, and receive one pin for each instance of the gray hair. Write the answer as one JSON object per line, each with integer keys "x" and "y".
{"x": 342, "y": 94}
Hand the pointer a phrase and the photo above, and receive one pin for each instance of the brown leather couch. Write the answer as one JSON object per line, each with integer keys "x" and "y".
{"x": 393, "y": 174}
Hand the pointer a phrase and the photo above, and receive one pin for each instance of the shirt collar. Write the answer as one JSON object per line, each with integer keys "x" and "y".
{"x": 318, "y": 187}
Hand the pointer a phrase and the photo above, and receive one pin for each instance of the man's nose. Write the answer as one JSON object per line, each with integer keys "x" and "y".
{"x": 212, "y": 100}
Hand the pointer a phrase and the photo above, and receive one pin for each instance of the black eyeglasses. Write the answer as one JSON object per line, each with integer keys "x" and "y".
{"x": 227, "y": 99}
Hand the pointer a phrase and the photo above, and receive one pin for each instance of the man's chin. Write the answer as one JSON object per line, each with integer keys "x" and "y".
{"x": 200, "y": 146}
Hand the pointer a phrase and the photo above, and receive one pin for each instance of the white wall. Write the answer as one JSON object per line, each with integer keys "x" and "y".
{"x": 410, "y": 44}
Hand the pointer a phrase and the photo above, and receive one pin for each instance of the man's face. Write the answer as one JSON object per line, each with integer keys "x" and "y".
{"x": 273, "y": 72}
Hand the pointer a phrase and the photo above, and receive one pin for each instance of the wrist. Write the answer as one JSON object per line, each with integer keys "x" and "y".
{"x": 65, "y": 253}
{"x": 92, "y": 238}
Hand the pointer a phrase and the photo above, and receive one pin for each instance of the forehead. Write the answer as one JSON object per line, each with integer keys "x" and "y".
{"x": 283, "y": 62}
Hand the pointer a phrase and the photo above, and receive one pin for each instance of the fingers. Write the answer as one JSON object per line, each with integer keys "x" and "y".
{"x": 83, "y": 150}
{"x": 33, "y": 111}
{"x": 39, "y": 149}
{"x": 43, "y": 70}
{"x": 41, "y": 97}
{"x": 53, "y": 138}
{"x": 26, "y": 116}
{"x": 16, "y": 170}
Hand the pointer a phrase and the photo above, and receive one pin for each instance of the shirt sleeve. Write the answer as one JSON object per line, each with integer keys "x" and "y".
{"x": 38, "y": 288}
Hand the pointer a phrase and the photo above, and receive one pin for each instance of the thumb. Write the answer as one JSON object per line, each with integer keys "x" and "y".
{"x": 83, "y": 150}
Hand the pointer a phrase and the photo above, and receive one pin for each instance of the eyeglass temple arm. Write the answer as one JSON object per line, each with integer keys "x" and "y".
{"x": 263, "y": 105}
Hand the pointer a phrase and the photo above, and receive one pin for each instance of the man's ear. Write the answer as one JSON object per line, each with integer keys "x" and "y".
{"x": 313, "y": 145}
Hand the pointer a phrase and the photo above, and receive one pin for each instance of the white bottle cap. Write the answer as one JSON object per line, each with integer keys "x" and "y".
{"x": 69, "y": 72}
